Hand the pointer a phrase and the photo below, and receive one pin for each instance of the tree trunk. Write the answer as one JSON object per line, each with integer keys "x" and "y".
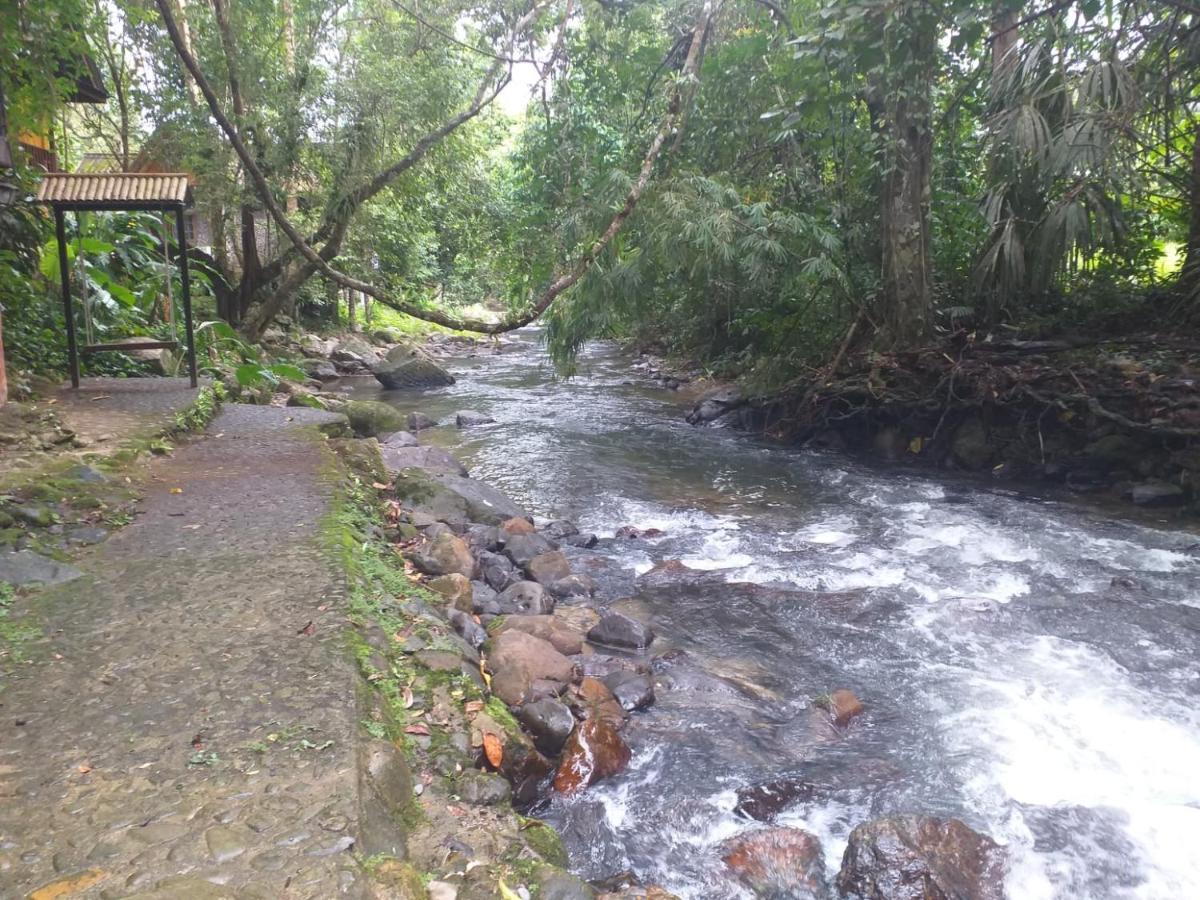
{"x": 904, "y": 216}
{"x": 1191, "y": 261}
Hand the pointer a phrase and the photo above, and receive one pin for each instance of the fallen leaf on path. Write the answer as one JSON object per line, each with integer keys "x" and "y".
{"x": 381, "y": 487}
{"x": 408, "y": 698}
{"x": 69, "y": 886}
{"x": 102, "y": 397}
{"x": 83, "y": 768}
{"x": 176, "y": 490}
{"x": 417, "y": 729}
{"x": 493, "y": 750}
{"x": 473, "y": 706}
{"x": 309, "y": 630}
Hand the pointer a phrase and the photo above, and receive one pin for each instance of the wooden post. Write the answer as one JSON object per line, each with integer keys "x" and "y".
{"x": 187, "y": 294}
{"x": 64, "y": 272}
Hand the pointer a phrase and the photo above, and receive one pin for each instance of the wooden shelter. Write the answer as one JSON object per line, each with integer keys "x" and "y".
{"x": 120, "y": 192}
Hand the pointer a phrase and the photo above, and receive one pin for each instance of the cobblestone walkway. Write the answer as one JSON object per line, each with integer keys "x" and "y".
{"x": 187, "y": 729}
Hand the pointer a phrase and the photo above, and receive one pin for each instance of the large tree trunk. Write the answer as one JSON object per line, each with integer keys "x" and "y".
{"x": 904, "y": 216}
{"x": 1191, "y": 261}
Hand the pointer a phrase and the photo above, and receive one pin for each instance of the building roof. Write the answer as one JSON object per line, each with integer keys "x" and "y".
{"x": 98, "y": 163}
{"x": 118, "y": 190}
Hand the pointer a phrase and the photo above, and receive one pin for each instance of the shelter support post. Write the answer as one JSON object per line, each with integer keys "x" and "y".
{"x": 64, "y": 273}
{"x": 181, "y": 232}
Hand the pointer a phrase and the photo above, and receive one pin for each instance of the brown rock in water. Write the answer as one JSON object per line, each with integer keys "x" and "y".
{"x": 921, "y": 858}
{"x": 594, "y": 750}
{"x": 517, "y": 525}
{"x": 455, "y": 587}
{"x": 763, "y": 802}
{"x": 517, "y": 660}
{"x": 778, "y": 862}
{"x": 844, "y": 706}
{"x": 547, "y": 568}
{"x": 444, "y": 555}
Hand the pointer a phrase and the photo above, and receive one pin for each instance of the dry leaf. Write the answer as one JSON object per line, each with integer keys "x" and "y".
{"x": 408, "y": 698}
{"x": 176, "y": 490}
{"x": 473, "y": 706}
{"x": 83, "y": 768}
{"x": 417, "y": 729}
{"x": 493, "y": 750}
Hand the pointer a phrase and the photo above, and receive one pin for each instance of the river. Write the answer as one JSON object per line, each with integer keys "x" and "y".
{"x": 1029, "y": 666}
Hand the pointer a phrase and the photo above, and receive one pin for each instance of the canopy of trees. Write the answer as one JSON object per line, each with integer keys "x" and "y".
{"x": 752, "y": 182}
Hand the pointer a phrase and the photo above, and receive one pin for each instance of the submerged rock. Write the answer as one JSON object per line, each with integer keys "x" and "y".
{"x": 468, "y": 417}
{"x": 763, "y": 802}
{"x": 1157, "y": 494}
{"x": 407, "y": 366}
{"x": 616, "y": 629}
{"x": 921, "y": 858}
{"x": 843, "y": 706}
{"x": 779, "y": 862}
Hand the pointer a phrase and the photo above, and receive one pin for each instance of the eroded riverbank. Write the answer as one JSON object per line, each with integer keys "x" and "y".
{"x": 1026, "y": 666}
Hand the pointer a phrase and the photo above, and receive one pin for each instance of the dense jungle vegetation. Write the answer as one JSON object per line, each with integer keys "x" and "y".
{"x": 756, "y": 185}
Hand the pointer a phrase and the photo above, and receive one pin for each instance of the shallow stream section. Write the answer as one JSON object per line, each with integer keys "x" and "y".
{"x": 1028, "y": 666}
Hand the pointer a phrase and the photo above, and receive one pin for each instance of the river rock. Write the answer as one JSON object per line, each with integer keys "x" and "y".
{"x": 482, "y": 594}
{"x": 445, "y": 554}
{"x": 516, "y": 525}
{"x": 418, "y": 421}
{"x": 398, "y": 440}
{"x": 468, "y": 417}
{"x": 547, "y": 568}
{"x": 455, "y": 587}
{"x": 593, "y": 699}
{"x": 574, "y": 586}
{"x": 370, "y": 418}
{"x": 483, "y": 538}
{"x": 584, "y": 541}
{"x": 454, "y": 499}
{"x": 917, "y": 858}
{"x": 525, "y": 598}
{"x": 715, "y": 404}
{"x": 518, "y": 659}
{"x": 779, "y": 862}
{"x": 633, "y": 690}
{"x": 548, "y": 628}
{"x": 497, "y": 571}
{"x": 844, "y": 706}
{"x": 314, "y": 346}
{"x": 320, "y": 369}
{"x": 1157, "y": 494}
{"x": 483, "y": 789}
{"x": 559, "y": 528}
{"x": 468, "y": 629}
{"x": 616, "y": 629}
{"x": 594, "y": 750}
{"x": 555, "y": 884}
{"x": 431, "y": 459}
{"x": 763, "y": 802}
{"x": 407, "y": 366}
{"x": 549, "y": 722}
{"x": 523, "y": 548}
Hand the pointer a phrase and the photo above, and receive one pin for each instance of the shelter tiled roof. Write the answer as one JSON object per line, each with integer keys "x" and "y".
{"x": 115, "y": 190}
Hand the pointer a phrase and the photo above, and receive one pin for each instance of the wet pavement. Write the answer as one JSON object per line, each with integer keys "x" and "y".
{"x": 186, "y": 728}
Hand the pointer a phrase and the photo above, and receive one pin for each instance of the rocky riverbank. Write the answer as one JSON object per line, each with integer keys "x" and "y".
{"x": 1113, "y": 420}
{"x": 520, "y": 614}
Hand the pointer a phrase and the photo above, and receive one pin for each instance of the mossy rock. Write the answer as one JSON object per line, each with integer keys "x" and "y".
{"x": 545, "y": 842}
{"x": 371, "y": 418}
{"x": 361, "y": 457}
{"x": 396, "y": 880}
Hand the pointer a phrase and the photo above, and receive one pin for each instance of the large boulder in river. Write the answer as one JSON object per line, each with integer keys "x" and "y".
{"x": 454, "y": 499}
{"x": 921, "y": 858}
{"x": 444, "y": 555}
{"x": 431, "y": 459}
{"x": 407, "y": 366}
{"x": 595, "y": 750}
{"x": 370, "y": 418}
{"x": 778, "y": 862}
{"x": 715, "y": 404}
{"x": 517, "y": 660}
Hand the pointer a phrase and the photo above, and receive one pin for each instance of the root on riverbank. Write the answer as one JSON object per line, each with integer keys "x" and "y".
{"x": 1120, "y": 415}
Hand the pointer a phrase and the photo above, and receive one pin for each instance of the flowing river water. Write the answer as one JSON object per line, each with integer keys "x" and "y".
{"x": 1028, "y": 666}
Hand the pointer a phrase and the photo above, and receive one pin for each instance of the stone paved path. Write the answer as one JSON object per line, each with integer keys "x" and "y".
{"x": 188, "y": 730}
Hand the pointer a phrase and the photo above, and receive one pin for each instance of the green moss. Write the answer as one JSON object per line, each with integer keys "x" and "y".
{"x": 545, "y": 842}
{"x": 501, "y": 714}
